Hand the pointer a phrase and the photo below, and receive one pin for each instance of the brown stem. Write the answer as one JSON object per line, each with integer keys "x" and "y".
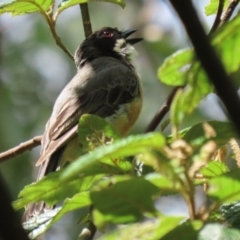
{"x": 28, "y": 145}
{"x": 162, "y": 111}
{"x": 217, "y": 20}
{"x": 228, "y": 13}
{"x": 86, "y": 19}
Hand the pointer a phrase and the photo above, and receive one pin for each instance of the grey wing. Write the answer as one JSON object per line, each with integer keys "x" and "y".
{"x": 99, "y": 95}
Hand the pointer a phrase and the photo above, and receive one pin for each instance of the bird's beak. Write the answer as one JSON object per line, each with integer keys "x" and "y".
{"x": 132, "y": 40}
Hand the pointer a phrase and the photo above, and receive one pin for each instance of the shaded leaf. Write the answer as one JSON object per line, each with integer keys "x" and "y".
{"x": 187, "y": 230}
{"x": 152, "y": 229}
{"x": 126, "y": 200}
{"x": 125, "y": 147}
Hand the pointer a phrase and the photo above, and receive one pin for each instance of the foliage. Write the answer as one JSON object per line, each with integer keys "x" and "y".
{"x": 119, "y": 179}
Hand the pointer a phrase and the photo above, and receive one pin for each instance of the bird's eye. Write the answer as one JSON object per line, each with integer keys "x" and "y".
{"x": 107, "y": 34}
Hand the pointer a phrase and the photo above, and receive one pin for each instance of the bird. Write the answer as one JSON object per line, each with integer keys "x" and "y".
{"x": 106, "y": 85}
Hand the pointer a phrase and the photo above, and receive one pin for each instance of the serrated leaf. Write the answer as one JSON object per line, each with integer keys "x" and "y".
{"x": 125, "y": 147}
{"x": 51, "y": 190}
{"x": 91, "y": 126}
{"x": 126, "y": 200}
{"x": 214, "y": 169}
{"x": 153, "y": 230}
{"x": 19, "y": 7}
{"x": 224, "y": 132}
{"x": 225, "y": 188}
{"x": 219, "y": 232}
{"x": 69, "y": 3}
{"x": 212, "y": 7}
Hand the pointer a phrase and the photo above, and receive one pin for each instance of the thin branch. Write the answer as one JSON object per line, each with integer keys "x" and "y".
{"x": 217, "y": 20}
{"x": 228, "y": 13}
{"x": 21, "y": 148}
{"x": 51, "y": 23}
{"x": 86, "y": 19}
{"x": 88, "y": 232}
{"x": 162, "y": 111}
{"x": 10, "y": 226}
{"x": 210, "y": 62}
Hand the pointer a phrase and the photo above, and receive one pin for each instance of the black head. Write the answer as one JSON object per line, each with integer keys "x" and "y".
{"x": 106, "y": 42}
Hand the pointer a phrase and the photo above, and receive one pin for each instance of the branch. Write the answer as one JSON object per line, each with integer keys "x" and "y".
{"x": 162, "y": 111}
{"x": 217, "y": 20}
{"x": 228, "y": 13}
{"x": 86, "y": 19}
{"x": 10, "y": 226}
{"x": 209, "y": 59}
{"x": 23, "y": 147}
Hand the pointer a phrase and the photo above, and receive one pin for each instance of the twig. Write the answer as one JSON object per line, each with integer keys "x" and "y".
{"x": 86, "y": 19}
{"x": 51, "y": 23}
{"x": 28, "y": 145}
{"x": 228, "y": 13}
{"x": 10, "y": 226}
{"x": 88, "y": 232}
{"x": 217, "y": 20}
{"x": 210, "y": 62}
{"x": 162, "y": 111}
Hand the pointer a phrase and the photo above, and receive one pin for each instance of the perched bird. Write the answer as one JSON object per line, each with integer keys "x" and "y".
{"x": 106, "y": 85}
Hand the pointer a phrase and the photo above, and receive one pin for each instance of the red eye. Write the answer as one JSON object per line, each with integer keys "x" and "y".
{"x": 107, "y": 34}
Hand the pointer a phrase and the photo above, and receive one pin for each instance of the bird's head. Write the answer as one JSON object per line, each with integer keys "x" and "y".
{"x": 106, "y": 42}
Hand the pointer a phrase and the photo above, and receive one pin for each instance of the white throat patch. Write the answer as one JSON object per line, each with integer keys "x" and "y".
{"x": 124, "y": 48}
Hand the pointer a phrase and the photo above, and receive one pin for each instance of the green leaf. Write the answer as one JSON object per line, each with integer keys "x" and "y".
{"x": 219, "y": 232}
{"x": 51, "y": 190}
{"x": 93, "y": 130}
{"x": 187, "y": 231}
{"x": 125, "y": 147}
{"x": 175, "y": 113}
{"x": 125, "y": 200}
{"x": 212, "y": 7}
{"x": 224, "y": 132}
{"x": 225, "y": 41}
{"x": 173, "y": 68}
{"x": 225, "y": 188}
{"x": 163, "y": 182}
{"x": 69, "y": 3}
{"x": 214, "y": 169}
{"x": 153, "y": 230}
{"x": 19, "y": 7}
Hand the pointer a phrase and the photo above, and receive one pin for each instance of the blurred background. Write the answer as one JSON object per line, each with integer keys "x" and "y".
{"x": 33, "y": 71}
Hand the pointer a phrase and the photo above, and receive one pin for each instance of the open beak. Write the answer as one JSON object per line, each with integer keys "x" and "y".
{"x": 132, "y": 40}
